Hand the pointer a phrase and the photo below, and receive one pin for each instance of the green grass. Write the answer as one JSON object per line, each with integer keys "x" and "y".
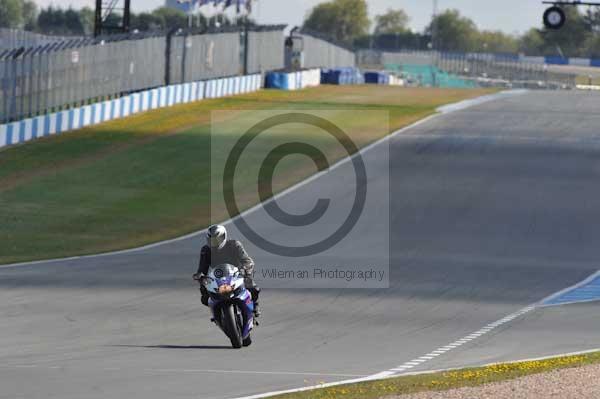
{"x": 585, "y": 80}
{"x": 442, "y": 381}
{"x": 148, "y": 177}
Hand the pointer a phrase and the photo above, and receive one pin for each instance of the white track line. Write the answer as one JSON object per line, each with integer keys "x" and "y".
{"x": 461, "y": 105}
{"x": 456, "y": 344}
{"x": 573, "y": 287}
{"x": 404, "y": 368}
{"x": 253, "y": 372}
{"x": 182, "y": 371}
{"x": 33, "y": 366}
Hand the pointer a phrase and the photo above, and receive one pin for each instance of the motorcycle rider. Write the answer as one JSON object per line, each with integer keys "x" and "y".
{"x": 219, "y": 250}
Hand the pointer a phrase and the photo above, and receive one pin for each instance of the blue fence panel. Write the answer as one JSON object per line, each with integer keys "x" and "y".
{"x": 556, "y": 60}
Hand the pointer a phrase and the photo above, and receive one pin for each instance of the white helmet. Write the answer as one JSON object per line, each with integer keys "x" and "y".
{"x": 216, "y": 236}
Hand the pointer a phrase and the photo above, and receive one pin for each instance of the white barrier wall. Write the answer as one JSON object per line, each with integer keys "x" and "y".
{"x": 311, "y": 78}
{"x": 396, "y": 81}
{"x": 580, "y": 61}
{"x": 294, "y": 80}
{"x": 76, "y": 118}
{"x": 532, "y": 60}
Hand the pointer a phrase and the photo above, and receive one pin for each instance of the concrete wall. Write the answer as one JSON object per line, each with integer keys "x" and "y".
{"x": 319, "y": 53}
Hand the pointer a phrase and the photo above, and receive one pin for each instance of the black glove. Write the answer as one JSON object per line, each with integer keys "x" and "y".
{"x": 204, "y": 300}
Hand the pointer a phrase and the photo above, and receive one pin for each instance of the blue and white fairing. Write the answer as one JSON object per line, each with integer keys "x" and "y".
{"x": 219, "y": 280}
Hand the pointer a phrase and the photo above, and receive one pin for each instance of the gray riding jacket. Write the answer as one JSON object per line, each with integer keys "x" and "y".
{"x": 233, "y": 253}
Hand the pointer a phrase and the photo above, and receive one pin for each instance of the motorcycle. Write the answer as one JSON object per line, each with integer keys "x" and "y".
{"x": 230, "y": 303}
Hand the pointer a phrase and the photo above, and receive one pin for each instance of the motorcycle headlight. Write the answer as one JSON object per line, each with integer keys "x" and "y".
{"x": 225, "y": 289}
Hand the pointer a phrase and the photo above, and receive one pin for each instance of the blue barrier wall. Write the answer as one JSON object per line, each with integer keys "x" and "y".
{"x": 342, "y": 76}
{"x": 77, "y": 118}
{"x": 556, "y": 60}
{"x": 381, "y": 78}
{"x": 277, "y": 80}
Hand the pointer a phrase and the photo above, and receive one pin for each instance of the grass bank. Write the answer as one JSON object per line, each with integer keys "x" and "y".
{"x": 147, "y": 178}
{"x": 443, "y": 381}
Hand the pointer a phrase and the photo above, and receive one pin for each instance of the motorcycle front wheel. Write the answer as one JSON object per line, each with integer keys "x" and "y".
{"x": 247, "y": 341}
{"x": 232, "y": 327}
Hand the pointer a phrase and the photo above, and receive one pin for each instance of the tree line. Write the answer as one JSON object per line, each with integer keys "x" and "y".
{"x": 51, "y": 20}
{"x": 348, "y": 22}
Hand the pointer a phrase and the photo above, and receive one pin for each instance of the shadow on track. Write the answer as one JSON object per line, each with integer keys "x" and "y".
{"x": 174, "y": 346}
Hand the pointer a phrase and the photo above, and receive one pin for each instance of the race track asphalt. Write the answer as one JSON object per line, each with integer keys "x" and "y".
{"x": 491, "y": 209}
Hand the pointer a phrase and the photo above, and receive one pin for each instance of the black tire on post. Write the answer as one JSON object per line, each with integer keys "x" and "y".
{"x": 554, "y": 18}
{"x": 232, "y": 327}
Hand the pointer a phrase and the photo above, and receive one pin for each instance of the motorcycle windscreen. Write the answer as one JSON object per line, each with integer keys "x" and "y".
{"x": 222, "y": 271}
